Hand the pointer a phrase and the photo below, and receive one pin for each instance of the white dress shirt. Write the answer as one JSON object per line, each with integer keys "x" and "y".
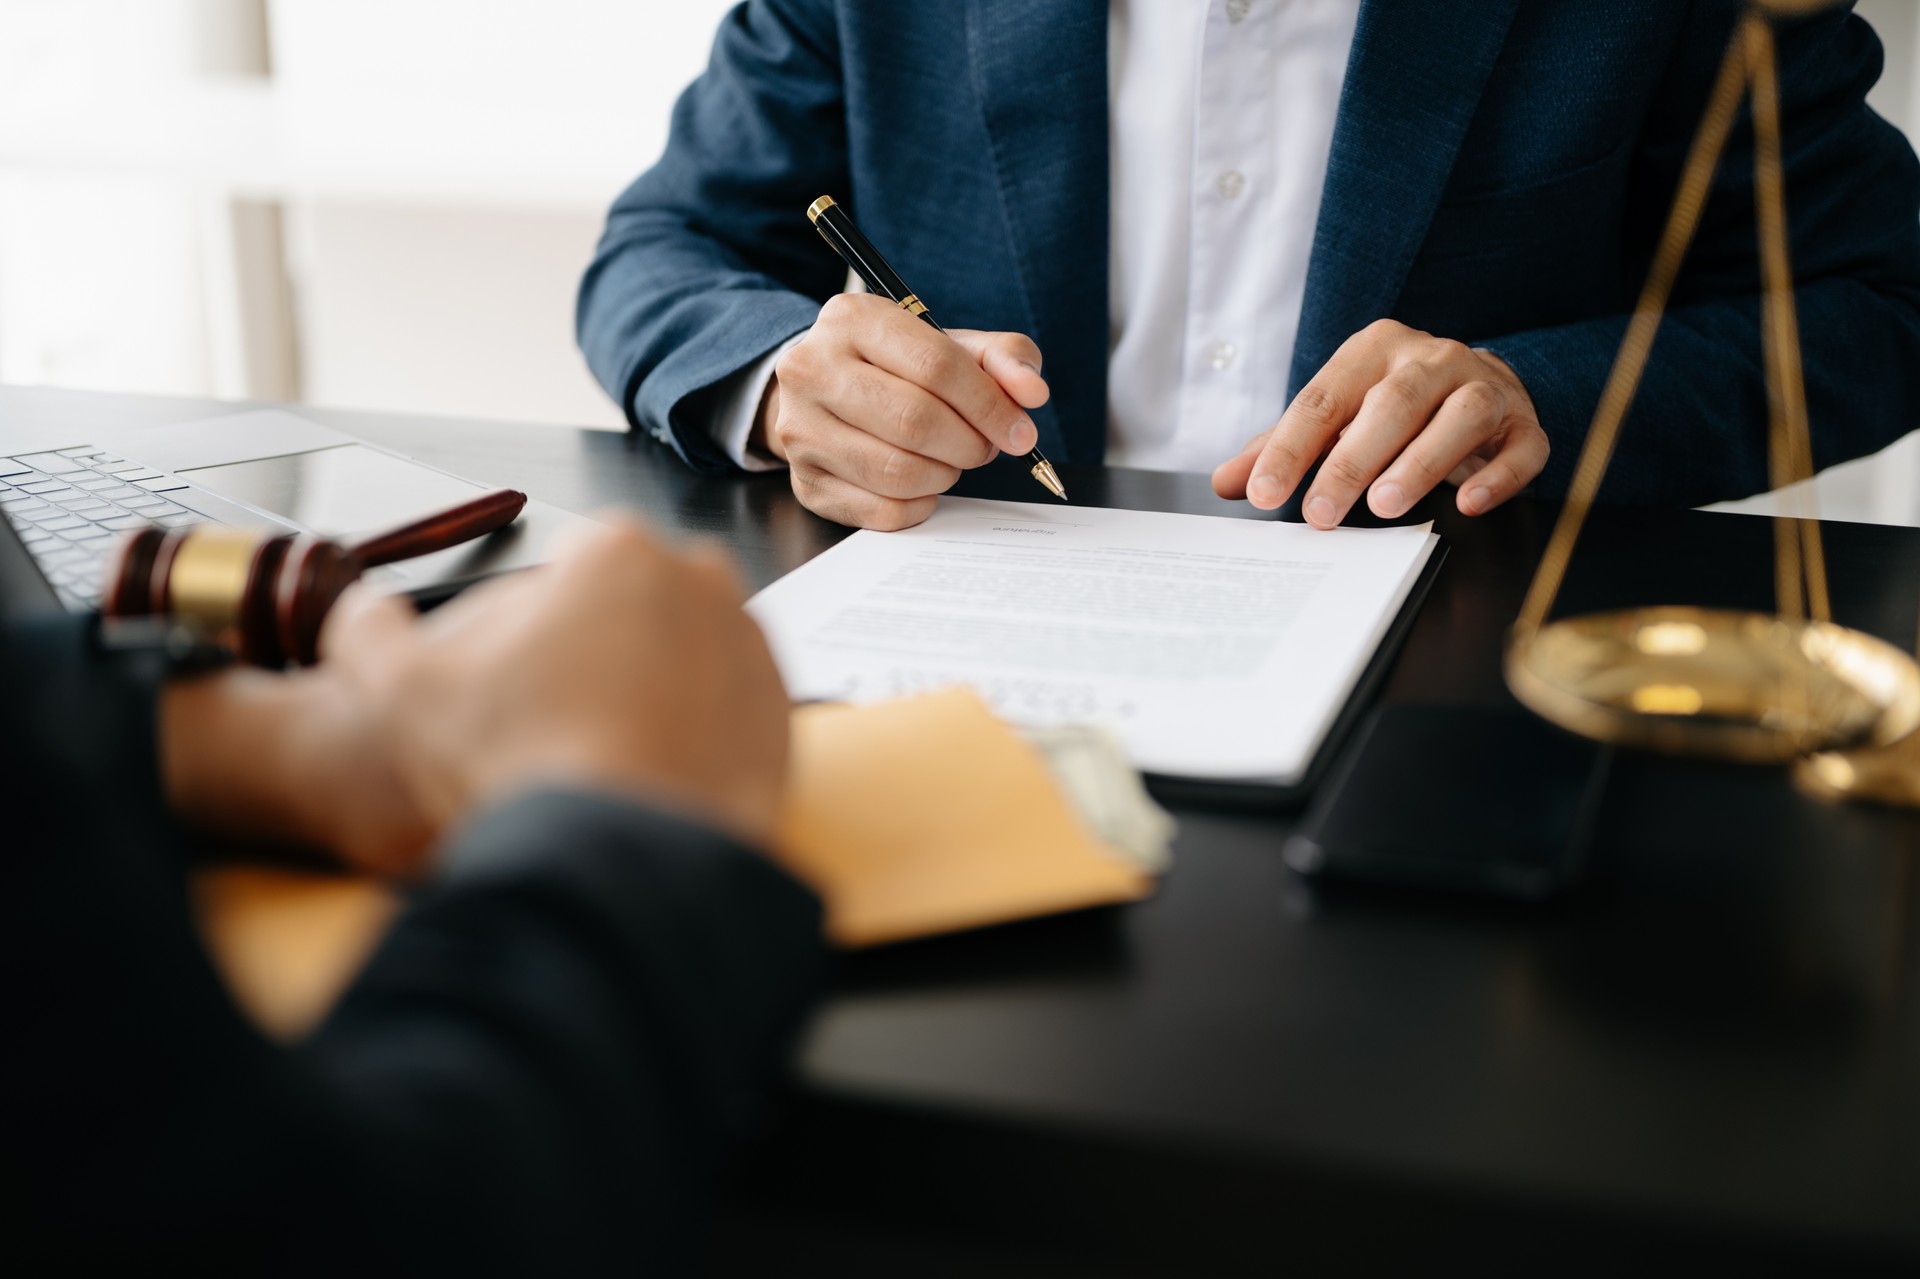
{"x": 1222, "y": 121}
{"x": 1221, "y": 118}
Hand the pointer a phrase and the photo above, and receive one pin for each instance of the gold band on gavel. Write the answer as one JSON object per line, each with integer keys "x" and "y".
{"x": 208, "y": 580}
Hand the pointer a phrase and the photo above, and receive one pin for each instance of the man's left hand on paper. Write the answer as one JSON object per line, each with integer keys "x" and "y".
{"x": 1401, "y": 411}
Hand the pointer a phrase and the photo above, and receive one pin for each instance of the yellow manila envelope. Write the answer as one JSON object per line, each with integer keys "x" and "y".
{"x": 913, "y": 817}
{"x": 289, "y": 942}
{"x": 928, "y": 815}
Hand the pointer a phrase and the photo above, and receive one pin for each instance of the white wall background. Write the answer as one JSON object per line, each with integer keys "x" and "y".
{"x": 378, "y": 203}
{"x": 387, "y": 203}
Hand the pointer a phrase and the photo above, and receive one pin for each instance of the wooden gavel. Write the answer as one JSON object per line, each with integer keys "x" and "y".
{"x": 266, "y": 597}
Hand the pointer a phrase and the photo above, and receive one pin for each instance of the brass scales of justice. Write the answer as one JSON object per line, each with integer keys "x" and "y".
{"x": 1681, "y": 680}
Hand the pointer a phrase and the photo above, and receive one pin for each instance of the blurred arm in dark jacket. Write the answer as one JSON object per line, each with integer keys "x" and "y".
{"x": 542, "y": 1065}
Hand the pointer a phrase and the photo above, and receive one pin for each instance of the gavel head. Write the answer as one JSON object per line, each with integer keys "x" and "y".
{"x": 265, "y": 597}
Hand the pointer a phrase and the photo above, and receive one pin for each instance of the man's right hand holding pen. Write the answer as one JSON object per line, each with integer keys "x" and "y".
{"x": 876, "y": 413}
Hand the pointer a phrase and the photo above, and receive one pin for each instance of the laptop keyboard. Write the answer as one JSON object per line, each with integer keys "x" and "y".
{"x": 72, "y": 506}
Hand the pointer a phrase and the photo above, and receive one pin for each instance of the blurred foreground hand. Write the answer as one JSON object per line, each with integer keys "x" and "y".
{"x": 624, "y": 665}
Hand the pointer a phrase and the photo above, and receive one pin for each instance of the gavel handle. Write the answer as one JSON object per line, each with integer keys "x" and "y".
{"x": 450, "y": 527}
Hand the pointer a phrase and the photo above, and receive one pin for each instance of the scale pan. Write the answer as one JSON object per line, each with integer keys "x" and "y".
{"x": 1725, "y": 685}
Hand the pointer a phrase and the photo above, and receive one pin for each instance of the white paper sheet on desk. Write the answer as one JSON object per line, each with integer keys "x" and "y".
{"x": 1216, "y": 648}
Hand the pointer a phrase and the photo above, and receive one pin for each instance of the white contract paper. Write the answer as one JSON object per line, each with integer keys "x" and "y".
{"x": 1216, "y": 648}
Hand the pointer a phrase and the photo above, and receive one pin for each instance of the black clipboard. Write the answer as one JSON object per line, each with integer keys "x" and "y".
{"x": 1263, "y": 795}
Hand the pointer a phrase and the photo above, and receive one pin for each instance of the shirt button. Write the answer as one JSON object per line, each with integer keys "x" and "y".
{"x": 1221, "y": 354}
{"x": 1237, "y": 9}
{"x": 1230, "y": 184}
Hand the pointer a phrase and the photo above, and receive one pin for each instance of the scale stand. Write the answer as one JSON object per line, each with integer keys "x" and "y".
{"x": 1680, "y": 680}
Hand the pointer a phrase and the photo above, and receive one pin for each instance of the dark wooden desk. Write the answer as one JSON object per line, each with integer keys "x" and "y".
{"x": 1713, "y": 1050}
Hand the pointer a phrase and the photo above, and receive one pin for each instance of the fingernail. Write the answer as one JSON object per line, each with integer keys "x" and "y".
{"x": 1024, "y": 436}
{"x": 1477, "y": 499}
{"x": 1320, "y": 511}
{"x": 1031, "y": 368}
{"x": 1264, "y": 491}
{"x": 1388, "y": 499}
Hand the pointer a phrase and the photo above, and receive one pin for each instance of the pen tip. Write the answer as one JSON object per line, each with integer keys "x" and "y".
{"x": 1049, "y": 479}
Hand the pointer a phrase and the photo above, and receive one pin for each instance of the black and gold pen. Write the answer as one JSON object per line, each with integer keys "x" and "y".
{"x": 838, "y": 230}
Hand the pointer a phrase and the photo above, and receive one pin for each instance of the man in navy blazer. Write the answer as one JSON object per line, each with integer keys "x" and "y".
{"x": 1496, "y": 176}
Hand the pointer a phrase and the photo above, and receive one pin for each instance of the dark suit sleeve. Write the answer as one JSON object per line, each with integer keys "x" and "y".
{"x": 708, "y": 262}
{"x": 89, "y": 715}
{"x": 561, "y": 1041}
{"x": 1697, "y": 430}
{"x": 537, "y": 1073}
{"x": 151, "y": 1123}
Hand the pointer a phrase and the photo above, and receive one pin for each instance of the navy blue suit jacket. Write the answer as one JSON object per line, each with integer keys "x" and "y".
{"x": 1499, "y": 173}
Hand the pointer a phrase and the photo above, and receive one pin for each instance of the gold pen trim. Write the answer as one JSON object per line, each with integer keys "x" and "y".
{"x": 1041, "y": 469}
{"x": 1049, "y": 479}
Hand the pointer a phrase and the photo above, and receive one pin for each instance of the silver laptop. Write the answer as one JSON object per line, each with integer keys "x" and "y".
{"x": 70, "y": 494}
